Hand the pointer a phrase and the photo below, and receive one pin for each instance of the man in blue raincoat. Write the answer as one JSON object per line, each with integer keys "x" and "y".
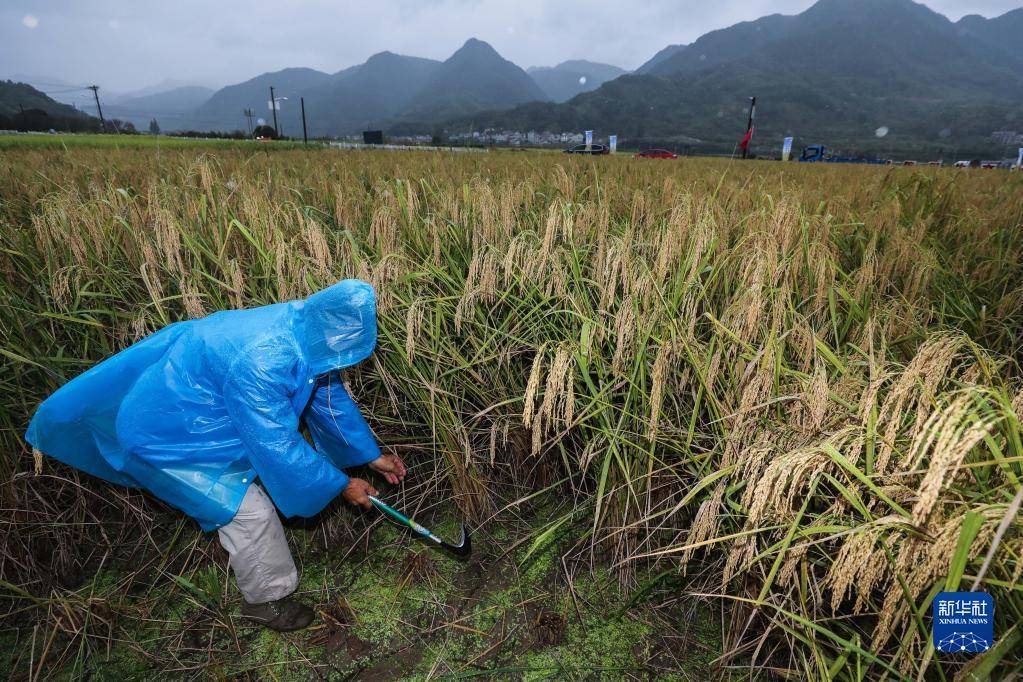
{"x": 200, "y": 410}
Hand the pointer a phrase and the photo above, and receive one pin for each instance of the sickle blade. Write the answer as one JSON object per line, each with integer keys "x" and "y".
{"x": 464, "y": 547}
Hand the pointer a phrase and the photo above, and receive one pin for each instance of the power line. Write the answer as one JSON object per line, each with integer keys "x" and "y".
{"x": 120, "y": 112}
{"x": 62, "y": 92}
{"x": 117, "y": 111}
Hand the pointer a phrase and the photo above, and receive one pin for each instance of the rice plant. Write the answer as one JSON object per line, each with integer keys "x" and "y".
{"x": 797, "y": 388}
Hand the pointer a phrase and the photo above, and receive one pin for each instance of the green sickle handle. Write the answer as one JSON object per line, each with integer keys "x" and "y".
{"x": 401, "y": 518}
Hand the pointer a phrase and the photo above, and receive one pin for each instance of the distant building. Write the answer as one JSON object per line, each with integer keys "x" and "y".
{"x": 517, "y": 138}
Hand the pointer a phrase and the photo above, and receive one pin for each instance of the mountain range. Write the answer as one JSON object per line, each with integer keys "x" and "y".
{"x": 18, "y": 98}
{"x": 168, "y": 100}
{"x": 860, "y": 73}
{"x": 169, "y": 106}
{"x": 566, "y": 80}
{"x": 386, "y": 88}
{"x": 864, "y": 73}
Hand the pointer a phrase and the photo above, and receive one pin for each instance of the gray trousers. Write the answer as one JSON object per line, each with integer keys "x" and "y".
{"x": 260, "y": 558}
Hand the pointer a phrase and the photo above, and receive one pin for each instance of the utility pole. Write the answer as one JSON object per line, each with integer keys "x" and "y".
{"x": 99, "y": 109}
{"x": 305, "y": 137}
{"x": 248, "y": 114}
{"x": 749, "y": 127}
{"x": 273, "y": 108}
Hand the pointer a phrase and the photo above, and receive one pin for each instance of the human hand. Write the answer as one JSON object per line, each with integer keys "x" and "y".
{"x": 390, "y": 466}
{"x": 357, "y": 493}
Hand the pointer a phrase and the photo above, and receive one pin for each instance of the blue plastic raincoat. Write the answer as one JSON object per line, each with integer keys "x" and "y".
{"x": 196, "y": 411}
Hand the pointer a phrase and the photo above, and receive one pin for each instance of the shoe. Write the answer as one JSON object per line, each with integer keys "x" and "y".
{"x": 282, "y": 615}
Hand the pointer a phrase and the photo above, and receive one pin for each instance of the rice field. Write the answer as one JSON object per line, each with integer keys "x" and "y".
{"x": 780, "y": 403}
{"x": 68, "y": 141}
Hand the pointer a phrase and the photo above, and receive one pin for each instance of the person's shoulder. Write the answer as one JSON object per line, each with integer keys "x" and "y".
{"x": 275, "y": 354}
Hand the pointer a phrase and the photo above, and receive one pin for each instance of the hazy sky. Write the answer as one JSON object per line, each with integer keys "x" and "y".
{"x": 124, "y": 44}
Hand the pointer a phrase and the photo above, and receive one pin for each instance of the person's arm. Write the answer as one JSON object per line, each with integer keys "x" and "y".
{"x": 338, "y": 428}
{"x": 300, "y": 481}
{"x": 340, "y": 431}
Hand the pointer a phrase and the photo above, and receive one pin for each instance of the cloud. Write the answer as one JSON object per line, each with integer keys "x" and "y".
{"x": 30, "y": 21}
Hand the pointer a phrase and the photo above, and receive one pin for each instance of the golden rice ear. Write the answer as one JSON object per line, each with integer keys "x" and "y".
{"x": 815, "y": 399}
{"x": 550, "y": 231}
{"x": 413, "y": 326}
{"x": 625, "y": 332}
{"x": 563, "y": 181}
{"x": 235, "y": 283}
{"x": 532, "y": 386}
{"x": 915, "y": 388}
{"x": 383, "y": 231}
{"x": 494, "y": 429}
{"x": 191, "y": 298}
{"x": 318, "y": 249}
{"x": 555, "y": 392}
{"x": 949, "y": 434}
{"x": 860, "y": 564}
{"x": 659, "y": 376}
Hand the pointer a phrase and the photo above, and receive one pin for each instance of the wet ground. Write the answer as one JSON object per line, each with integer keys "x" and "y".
{"x": 390, "y": 607}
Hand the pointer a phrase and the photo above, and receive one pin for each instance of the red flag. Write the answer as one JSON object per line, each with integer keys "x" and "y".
{"x": 744, "y": 145}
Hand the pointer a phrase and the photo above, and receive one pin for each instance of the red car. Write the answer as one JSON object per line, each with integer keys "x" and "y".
{"x": 656, "y": 154}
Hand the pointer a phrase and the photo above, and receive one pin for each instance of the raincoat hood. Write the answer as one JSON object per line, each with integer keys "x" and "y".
{"x": 339, "y": 326}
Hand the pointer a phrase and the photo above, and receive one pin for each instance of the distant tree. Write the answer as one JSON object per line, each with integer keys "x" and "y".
{"x": 264, "y": 131}
{"x": 118, "y": 126}
{"x": 154, "y": 127}
{"x": 32, "y": 120}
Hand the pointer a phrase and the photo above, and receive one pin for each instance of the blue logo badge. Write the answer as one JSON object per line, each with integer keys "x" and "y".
{"x": 964, "y": 622}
